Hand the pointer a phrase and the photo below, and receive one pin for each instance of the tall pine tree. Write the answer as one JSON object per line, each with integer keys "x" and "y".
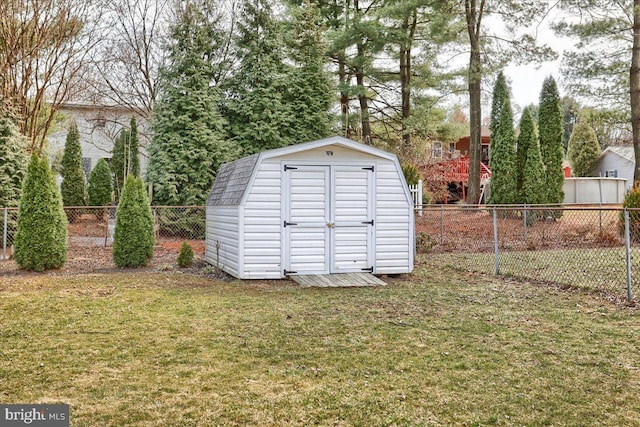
{"x": 259, "y": 114}
{"x": 74, "y": 186}
{"x": 310, "y": 92}
{"x": 503, "y": 151}
{"x": 551, "y": 130}
{"x": 188, "y": 145}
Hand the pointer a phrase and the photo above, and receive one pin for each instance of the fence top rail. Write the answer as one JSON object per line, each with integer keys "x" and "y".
{"x": 525, "y": 207}
{"x": 15, "y": 208}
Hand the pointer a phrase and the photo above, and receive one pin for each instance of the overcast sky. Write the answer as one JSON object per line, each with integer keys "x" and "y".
{"x": 526, "y": 80}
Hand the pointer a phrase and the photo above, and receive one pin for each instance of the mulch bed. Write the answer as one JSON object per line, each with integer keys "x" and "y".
{"x": 472, "y": 231}
{"x": 98, "y": 259}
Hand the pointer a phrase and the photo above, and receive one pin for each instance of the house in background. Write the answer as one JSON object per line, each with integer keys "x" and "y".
{"x": 99, "y": 125}
{"x": 449, "y": 167}
{"x": 616, "y": 162}
{"x": 463, "y": 144}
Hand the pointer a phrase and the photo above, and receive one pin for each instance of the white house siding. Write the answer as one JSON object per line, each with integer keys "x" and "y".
{"x": 613, "y": 161}
{"x": 223, "y": 228}
{"x": 394, "y": 222}
{"x": 98, "y": 126}
{"x": 263, "y": 224}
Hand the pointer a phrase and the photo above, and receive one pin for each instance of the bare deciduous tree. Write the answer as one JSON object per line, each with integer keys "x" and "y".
{"x": 44, "y": 45}
{"x": 126, "y": 60}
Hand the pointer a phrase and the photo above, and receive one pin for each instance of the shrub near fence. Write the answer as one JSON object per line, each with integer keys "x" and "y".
{"x": 582, "y": 246}
{"x": 573, "y": 246}
{"x": 94, "y": 226}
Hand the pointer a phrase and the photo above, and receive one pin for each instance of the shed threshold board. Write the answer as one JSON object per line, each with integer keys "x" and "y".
{"x": 341, "y": 280}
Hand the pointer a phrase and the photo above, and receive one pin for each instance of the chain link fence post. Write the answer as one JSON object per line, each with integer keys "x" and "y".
{"x": 524, "y": 218}
{"x": 495, "y": 242}
{"x": 627, "y": 239}
{"x": 441, "y": 224}
{"x": 4, "y": 233}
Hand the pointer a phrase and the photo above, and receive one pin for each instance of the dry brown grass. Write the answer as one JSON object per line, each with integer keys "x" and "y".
{"x": 157, "y": 349}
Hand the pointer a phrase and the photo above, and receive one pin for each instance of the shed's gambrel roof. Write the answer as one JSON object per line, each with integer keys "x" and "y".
{"x": 231, "y": 182}
{"x": 234, "y": 178}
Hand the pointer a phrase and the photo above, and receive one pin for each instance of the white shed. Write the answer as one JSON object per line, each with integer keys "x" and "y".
{"x": 321, "y": 207}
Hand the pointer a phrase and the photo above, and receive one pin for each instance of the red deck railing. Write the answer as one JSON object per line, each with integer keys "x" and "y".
{"x": 457, "y": 170}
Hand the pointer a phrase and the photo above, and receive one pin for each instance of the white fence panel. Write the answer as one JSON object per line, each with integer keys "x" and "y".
{"x": 416, "y": 193}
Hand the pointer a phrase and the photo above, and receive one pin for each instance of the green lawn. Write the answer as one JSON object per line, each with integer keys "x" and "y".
{"x": 596, "y": 269}
{"x": 440, "y": 348}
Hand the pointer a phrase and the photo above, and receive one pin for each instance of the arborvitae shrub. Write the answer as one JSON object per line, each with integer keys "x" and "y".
{"x": 134, "y": 236}
{"x": 411, "y": 173}
{"x": 100, "y": 187}
{"x": 185, "y": 257}
{"x": 551, "y": 135}
{"x": 73, "y": 187}
{"x": 584, "y": 150}
{"x": 504, "y": 185}
{"x": 41, "y": 240}
{"x": 632, "y": 200}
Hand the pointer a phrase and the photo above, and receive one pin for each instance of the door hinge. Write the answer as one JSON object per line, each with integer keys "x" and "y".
{"x": 286, "y": 167}
{"x": 290, "y": 223}
{"x": 370, "y": 168}
{"x": 368, "y": 222}
{"x": 370, "y": 269}
{"x": 287, "y": 272}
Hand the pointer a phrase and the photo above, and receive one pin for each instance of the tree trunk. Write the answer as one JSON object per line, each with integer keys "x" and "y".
{"x": 362, "y": 97}
{"x": 344, "y": 94}
{"x": 474, "y": 18}
{"x": 358, "y": 69}
{"x": 634, "y": 88}
{"x": 409, "y": 28}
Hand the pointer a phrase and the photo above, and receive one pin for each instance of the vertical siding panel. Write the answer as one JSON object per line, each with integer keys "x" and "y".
{"x": 222, "y": 227}
{"x": 262, "y": 230}
{"x": 394, "y": 222}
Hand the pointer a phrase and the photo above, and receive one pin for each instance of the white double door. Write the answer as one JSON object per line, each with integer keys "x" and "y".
{"x": 329, "y": 219}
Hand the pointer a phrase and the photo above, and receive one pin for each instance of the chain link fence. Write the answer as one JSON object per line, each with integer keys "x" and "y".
{"x": 584, "y": 247}
{"x": 8, "y": 227}
{"x": 94, "y": 227}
